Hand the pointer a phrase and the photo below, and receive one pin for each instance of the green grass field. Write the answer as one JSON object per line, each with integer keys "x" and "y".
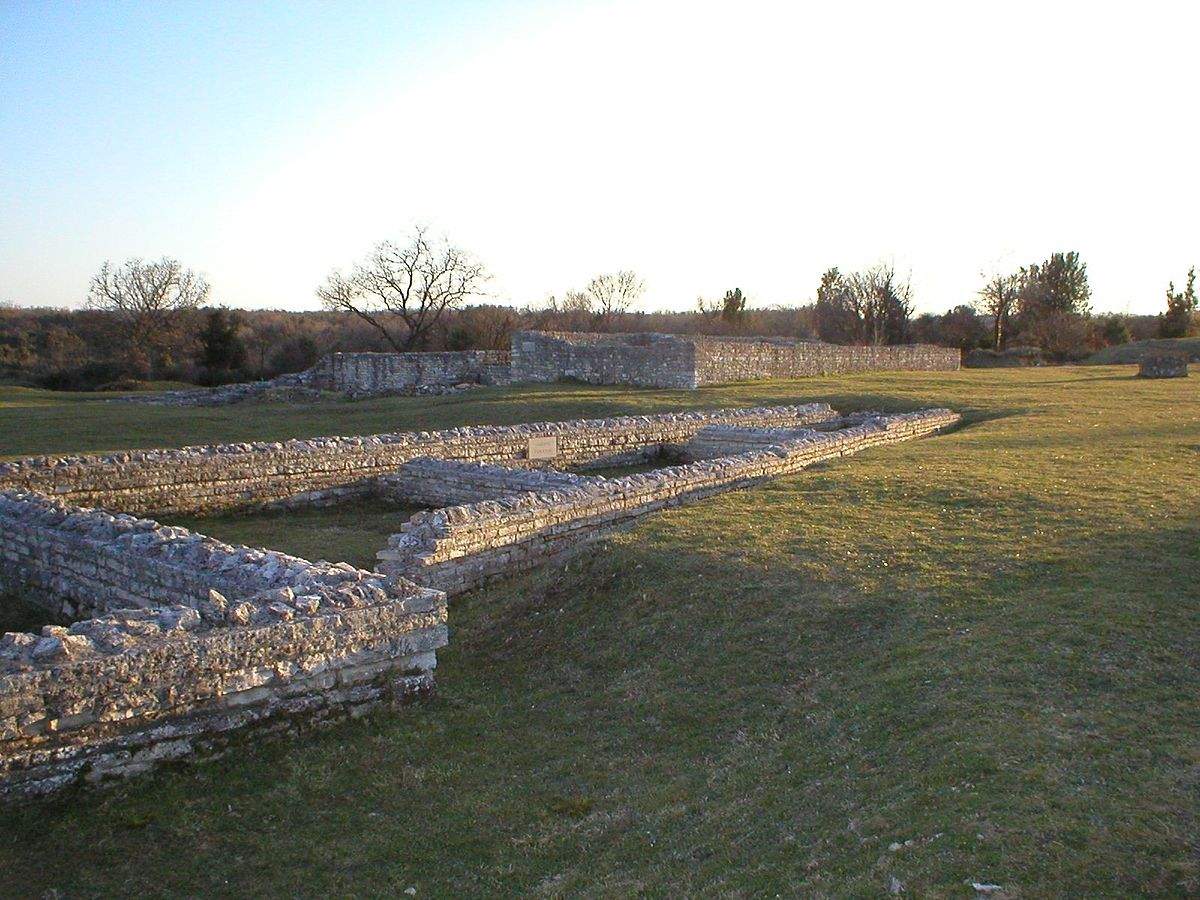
{"x": 974, "y": 657}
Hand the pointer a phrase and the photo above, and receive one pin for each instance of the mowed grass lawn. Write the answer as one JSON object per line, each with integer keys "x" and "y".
{"x": 970, "y": 658}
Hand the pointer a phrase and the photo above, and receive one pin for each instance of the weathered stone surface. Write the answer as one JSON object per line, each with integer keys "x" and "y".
{"x": 373, "y": 374}
{"x": 691, "y": 361}
{"x": 188, "y": 639}
{"x": 444, "y": 482}
{"x": 1164, "y": 365}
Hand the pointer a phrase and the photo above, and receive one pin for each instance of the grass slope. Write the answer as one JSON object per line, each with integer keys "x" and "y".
{"x": 1132, "y": 353}
{"x": 982, "y": 647}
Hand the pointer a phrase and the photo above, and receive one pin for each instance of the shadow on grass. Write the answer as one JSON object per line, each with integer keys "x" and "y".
{"x": 644, "y": 661}
{"x": 848, "y": 403}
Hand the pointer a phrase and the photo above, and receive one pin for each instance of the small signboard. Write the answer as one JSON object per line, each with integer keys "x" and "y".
{"x": 543, "y": 447}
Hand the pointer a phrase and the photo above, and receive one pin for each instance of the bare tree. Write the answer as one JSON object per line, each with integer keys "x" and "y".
{"x": 869, "y": 307}
{"x": 998, "y": 298}
{"x": 149, "y": 300}
{"x": 611, "y": 295}
{"x": 576, "y": 302}
{"x": 402, "y": 290}
{"x": 709, "y": 309}
{"x": 882, "y": 303}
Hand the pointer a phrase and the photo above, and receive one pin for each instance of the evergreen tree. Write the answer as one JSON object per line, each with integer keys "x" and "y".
{"x": 837, "y": 321}
{"x": 222, "y": 350}
{"x": 1115, "y": 330}
{"x": 1058, "y": 285}
{"x": 733, "y": 306}
{"x": 1179, "y": 320}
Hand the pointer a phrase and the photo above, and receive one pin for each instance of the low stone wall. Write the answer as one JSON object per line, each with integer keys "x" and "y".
{"x": 730, "y": 440}
{"x": 355, "y": 375}
{"x": 367, "y": 374}
{"x": 691, "y": 361}
{"x": 206, "y": 479}
{"x": 442, "y": 482}
{"x": 180, "y": 640}
{"x": 194, "y": 640}
{"x": 1164, "y": 365}
{"x": 462, "y": 547}
{"x": 722, "y": 360}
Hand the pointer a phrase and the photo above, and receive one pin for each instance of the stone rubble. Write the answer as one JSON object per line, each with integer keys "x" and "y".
{"x": 354, "y": 376}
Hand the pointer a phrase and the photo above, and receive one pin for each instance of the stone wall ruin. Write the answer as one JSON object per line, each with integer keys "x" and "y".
{"x": 646, "y": 359}
{"x": 178, "y": 641}
{"x": 183, "y": 640}
{"x": 1164, "y": 365}
{"x": 213, "y": 478}
{"x": 691, "y": 361}
{"x": 465, "y": 546}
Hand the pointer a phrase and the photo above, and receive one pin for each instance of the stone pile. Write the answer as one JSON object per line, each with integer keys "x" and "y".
{"x": 353, "y": 375}
{"x": 285, "y": 389}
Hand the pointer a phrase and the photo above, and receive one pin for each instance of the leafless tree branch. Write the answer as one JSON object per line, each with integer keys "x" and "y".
{"x": 402, "y": 290}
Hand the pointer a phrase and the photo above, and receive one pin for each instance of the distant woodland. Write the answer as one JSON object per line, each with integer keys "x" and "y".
{"x": 156, "y": 321}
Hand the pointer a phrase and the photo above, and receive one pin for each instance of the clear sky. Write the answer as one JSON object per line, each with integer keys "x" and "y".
{"x": 706, "y": 145}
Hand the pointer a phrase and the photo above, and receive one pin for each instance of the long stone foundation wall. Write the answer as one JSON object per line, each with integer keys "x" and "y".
{"x": 691, "y": 361}
{"x": 720, "y": 361}
{"x": 730, "y": 440}
{"x": 193, "y": 639}
{"x": 231, "y": 476}
{"x": 462, "y": 547}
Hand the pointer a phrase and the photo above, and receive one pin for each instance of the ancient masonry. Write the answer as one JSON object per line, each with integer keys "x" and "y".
{"x": 354, "y": 375}
{"x": 1164, "y": 365}
{"x": 644, "y": 360}
{"x": 173, "y": 641}
{"x": 692, "y": 361}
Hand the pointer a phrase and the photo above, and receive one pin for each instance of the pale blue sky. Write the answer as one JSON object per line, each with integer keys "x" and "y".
{"x": 706, "y": 145}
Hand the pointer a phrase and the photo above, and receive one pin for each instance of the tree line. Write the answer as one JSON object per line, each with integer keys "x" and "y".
{"x": 153, "y": 320}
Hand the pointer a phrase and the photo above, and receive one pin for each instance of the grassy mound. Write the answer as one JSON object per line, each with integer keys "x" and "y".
{"x": 1132, "y": 353}
{"x": 967, "y": 658}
